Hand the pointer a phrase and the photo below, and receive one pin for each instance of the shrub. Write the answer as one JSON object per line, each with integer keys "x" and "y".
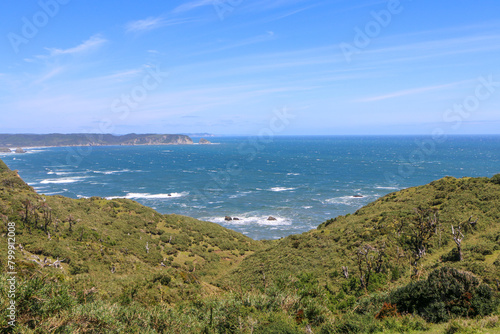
{"x": 78, "y": 268}
{"x": 277, "y": 325}
{"x": 495, "y": 179}
{"x": 388, "y": 310}
{"x": 446, "y": 292}
{"x": 163, "y": 279}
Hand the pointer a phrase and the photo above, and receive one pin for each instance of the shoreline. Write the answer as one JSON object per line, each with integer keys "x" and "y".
{"x": 13, "y": 148}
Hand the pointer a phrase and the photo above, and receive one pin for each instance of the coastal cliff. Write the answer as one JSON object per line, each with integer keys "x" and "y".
{"x": 91, "y": 139}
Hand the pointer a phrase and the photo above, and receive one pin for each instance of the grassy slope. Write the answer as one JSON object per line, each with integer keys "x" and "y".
{"x": 273, "y": 283}
{"x": 334, "y": 243}
{"x": 114, "y": 233}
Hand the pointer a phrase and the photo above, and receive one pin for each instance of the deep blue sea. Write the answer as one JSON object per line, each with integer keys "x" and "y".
{"x": 301, "y": 181}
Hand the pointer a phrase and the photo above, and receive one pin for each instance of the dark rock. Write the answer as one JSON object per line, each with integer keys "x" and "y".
{"x": 357, "y": 196}
{"x": 227, "y": 218}
{"x": 204, "y": 141}
{"x": 271, "y": 218}
{"x": 236, "y": 218}
{"x": 20, "y": 150}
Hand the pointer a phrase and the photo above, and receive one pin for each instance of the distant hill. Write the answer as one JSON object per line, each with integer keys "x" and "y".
{"x": 90, "y": 139}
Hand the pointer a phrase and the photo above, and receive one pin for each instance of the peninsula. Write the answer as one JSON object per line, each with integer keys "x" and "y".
{"x": 90, "y": 139}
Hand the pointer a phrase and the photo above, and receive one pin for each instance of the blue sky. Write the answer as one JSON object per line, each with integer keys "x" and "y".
{"x": 229, "y": 66}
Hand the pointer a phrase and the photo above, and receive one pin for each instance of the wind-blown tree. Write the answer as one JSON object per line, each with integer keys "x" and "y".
{"x": 458, "y": 236}
{"x": 417, "y": 233}
{"x": 370, "y": 260}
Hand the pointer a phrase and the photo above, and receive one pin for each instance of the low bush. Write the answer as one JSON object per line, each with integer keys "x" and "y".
{"x": 446, "y": 293}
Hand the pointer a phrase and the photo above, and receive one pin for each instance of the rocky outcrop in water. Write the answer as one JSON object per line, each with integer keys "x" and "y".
{"x": 204, "y": 141}
{"x": 5, "y": 150}
{"x": 20, "y": 150}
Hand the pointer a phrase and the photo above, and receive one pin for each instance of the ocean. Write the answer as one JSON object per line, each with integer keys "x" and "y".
{"x": 300, "y": 181}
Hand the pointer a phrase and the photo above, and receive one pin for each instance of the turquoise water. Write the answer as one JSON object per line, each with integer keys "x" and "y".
{"x": 301, "y": 181}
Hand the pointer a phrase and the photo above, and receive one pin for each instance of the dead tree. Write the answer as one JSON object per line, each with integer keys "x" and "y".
{"x": 26, "y": 214}
{"x": 458, "y": 237}
{"x": 471, "y": 223}
{"x": 147, "y": 247}
{"x": 71, "y": 221}
{"x": 370, "y": 261}
{"x": 345, "y": 270}
{"x": 419, "y": 232}
{"x": 46, "y": 216}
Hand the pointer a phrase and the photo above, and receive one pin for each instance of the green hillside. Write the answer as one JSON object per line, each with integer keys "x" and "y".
{"x": 386, "y": 226}
{"x": 393, "y": 266}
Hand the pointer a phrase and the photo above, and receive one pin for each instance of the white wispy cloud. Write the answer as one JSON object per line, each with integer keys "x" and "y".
{"x": 192, "y": 5}
{"x": 268, "y": 36}
{"x": 413, "y": 91}
{"x": 152, "y": 23}
{"x": 143, "y": 25}
{"x": 92, "y": 43}
{"x": 52, "y": 73}
{"x": 282, "y": 16}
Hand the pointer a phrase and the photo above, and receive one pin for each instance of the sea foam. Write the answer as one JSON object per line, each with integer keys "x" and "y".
{"x": 150, "y": 196}
{"x": 62, "y": 180}
{"x": 251, "y": 220}
{"x": 281, "y": 189}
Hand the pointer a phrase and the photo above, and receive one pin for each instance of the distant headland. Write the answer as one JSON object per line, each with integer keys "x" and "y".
{"x": 90, "y": 139}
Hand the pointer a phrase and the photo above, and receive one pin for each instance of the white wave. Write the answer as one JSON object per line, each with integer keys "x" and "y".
{"x": 54, "y": 193}
{"x": 251, "y": 220}
{"x": 63, "y": 180}
{"x": 295, "y": 174}
{"x": 347, "y": 200}
{"x": 389, "y": 188}
{"x": 109, "y": 172}
{"x": 60, "y": 173}
{"x": 81, "y": 196}
{"x": 29, "y": 151}
{"x": 240, "y": 194}
{"x": 281, "y": 189}
{"x": 150, "y": 196}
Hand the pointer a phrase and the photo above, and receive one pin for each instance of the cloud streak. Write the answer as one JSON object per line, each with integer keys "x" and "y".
{"x": 93, "y": 42}
{"x": 413, "y": 91}
{"x": 192, "y": 5}
{"x": 153, "y": 23}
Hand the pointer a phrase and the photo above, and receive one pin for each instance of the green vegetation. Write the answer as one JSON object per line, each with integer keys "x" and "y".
{"x": 90, "y": 139}
{"x": 115, "y": 266}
